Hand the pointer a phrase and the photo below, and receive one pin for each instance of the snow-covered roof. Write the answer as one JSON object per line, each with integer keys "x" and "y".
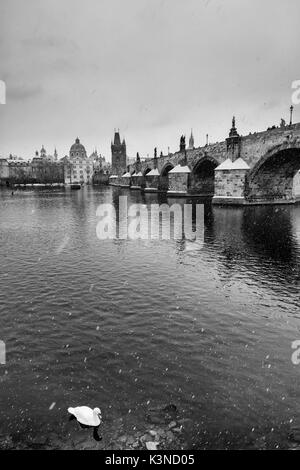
{"x": 138, "y": 174}
{"x": 240, "y": 164}
{"x": 180, "y": 169}
{"x": 126, "y": 175}
{"x": 153, "y": 172}
{"x": 113, "y": 176}
{"x": 226, "y": 165}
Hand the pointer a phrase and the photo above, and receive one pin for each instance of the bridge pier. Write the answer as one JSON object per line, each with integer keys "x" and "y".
{"x": 296, "y": 187}
{"x": 126, "y": 180}
{"x": 179, "y": 179}
{"x": 114, "y": 180}
{"x": 230, "y": 182}
{"x": 137, "y": 180}
{"x": 152, "y": 181}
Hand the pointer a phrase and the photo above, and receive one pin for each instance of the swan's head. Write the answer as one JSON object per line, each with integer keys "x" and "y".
{"x": 98, "y": 412}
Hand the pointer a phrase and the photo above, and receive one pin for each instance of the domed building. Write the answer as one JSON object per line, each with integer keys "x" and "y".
{"x": 77, "y": 150}
{"x": 78, "y": 169}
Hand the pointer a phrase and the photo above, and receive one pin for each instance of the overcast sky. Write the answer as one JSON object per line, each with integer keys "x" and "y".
{"x": 153, "y": 68}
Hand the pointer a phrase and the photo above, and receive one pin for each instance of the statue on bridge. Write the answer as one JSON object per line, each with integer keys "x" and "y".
{"x": 182, "y": 143}
{"x": 233, "y": 132}
{"x": 233, "y": 141}
{"x": 282, "y": 123}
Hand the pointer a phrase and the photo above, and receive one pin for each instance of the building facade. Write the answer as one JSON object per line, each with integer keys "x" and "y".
{"x": 78, "y": 168}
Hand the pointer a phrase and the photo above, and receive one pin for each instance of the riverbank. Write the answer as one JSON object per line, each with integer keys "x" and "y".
{"x": 162, "y": 429}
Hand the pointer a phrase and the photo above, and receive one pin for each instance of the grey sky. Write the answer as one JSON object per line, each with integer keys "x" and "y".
{"x": 153, "y": 68}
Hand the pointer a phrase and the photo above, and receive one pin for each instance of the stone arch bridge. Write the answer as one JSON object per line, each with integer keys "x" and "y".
{"x": 255, "y": 169}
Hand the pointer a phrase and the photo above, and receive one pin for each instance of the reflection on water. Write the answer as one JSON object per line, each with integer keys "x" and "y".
{"x": 128, "y": 324}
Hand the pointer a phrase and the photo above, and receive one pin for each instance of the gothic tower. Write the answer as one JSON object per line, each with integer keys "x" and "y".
{"x": 118, "y": 155}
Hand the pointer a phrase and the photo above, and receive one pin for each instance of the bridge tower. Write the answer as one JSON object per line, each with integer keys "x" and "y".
{"x": 118, "y": 155}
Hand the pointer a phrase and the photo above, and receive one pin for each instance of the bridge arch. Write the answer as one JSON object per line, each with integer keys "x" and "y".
{"x": 164, "y": 177}
{"x": 202, "y": 179}
{"x": 166, "y": 168}
{"x": 271, "y": 179}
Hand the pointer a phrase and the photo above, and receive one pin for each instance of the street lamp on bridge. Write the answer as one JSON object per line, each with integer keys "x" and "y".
{"x": 291, "y": 114}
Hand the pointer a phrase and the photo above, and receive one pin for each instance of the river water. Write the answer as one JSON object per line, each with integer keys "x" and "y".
{"x": 130, "y": 324}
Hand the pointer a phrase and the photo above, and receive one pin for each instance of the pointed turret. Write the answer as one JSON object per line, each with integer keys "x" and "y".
{"x": 191, "y": 141}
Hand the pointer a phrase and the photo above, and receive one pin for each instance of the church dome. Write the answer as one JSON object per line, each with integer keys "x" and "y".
{"x": 77, "y": 150}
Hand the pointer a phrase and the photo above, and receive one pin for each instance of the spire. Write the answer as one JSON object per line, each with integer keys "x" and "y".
{"x": 191, "y": 141}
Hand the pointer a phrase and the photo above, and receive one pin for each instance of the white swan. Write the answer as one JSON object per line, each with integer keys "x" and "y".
{"x": 85, "y": 415}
